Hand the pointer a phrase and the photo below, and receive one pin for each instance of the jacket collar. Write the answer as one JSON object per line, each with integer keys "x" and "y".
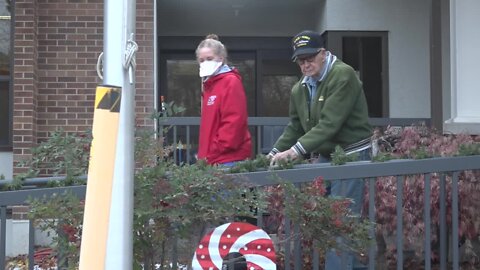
{"x": 217, "y": 77}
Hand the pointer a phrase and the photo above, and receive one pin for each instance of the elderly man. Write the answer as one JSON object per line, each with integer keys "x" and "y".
{"x": 327, "y": 108}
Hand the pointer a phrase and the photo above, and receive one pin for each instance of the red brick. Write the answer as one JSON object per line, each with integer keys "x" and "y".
{"x": 57, "y": 44}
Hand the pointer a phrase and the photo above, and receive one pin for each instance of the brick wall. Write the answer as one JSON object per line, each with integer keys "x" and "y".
{"x": 57, "y": 44}
{"x": 144, "y": 74}
{"x": 70, "y": 37}
{"x": 25, "y": 78}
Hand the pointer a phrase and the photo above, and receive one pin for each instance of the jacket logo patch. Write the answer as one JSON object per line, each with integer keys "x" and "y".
{"x": 211, "y": 100}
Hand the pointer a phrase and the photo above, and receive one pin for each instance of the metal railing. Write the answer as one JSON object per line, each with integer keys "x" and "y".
{"x": 304, "y": 174}
{"x": 399, "y": 168}
{"x": 355, "y": 170}
{"x": 264, "y": 130}
{"x": 22, "y": 197}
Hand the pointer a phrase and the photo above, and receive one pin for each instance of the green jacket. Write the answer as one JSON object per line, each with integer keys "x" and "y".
{"x": 338, "y": 114}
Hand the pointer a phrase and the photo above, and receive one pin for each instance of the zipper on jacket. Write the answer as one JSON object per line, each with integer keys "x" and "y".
{"x": 309, "y": 101}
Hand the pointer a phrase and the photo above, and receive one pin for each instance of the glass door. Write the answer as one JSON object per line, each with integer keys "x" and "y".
{"x": 267, "y": 71}
{"x": 180, "y": 83}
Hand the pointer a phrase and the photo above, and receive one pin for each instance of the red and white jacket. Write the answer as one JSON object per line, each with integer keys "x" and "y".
{"x": 224, "y": 135}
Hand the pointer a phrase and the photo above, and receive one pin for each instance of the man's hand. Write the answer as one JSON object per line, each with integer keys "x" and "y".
{"x": 288, "y": 155}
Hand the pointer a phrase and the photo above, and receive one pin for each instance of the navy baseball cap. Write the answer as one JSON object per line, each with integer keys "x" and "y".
{"x": 306, "y": 42}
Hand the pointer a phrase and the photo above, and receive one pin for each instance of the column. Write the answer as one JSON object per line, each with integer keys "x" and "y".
{"x": 465, "y": 61}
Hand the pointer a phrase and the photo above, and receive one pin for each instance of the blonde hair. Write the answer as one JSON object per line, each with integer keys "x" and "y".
{"x": 211, "y": 41}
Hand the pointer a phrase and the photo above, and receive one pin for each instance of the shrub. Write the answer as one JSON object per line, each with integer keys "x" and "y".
{"x": 417, "y": 142}
{"x": 179, "y": 204}
{"x": 62, "y": 154}
{"x": 61, "y": 213}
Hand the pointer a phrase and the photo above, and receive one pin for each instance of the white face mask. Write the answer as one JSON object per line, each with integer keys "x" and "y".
{"x": 207, "y": 68}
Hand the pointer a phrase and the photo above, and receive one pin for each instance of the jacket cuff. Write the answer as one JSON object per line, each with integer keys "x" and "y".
{"x": 298, "y": 148}
{"x": 273, "y": 152}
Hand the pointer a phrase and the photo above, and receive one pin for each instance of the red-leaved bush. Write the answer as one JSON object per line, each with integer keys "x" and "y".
{"x": 420, "y": 142}
{"x": 320, "y": 219}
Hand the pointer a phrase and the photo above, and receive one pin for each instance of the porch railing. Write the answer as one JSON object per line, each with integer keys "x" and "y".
{"x": 451, "y": 167}
{"x": 22, "y": 197}
{"x": 264, "y": 131}
{"x": 304, "y": 174}
{"x": 370, "y": 172}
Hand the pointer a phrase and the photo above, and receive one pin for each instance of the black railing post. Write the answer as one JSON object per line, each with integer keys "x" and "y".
{"x": 297, "y": 243}
{"x": 260, "y": 219}
{"x": 399, "y": 222}
{"x": 259, "y": 139}
{"x": 175, "y": 251}
{"x": 175, "y": 141}
{"x": 3, "y": 233}
{"x": 371, "y": 218}
{"x": 297, "y": 247}
{"x": 31, "y": 244}
{"x": 315, "y": 256}
{"x": 427, "y": 219}
{"x": 188, "y": 146}
{"x": 455, "y": 242}
{"x": 61, "y": 260}
{"x": 443, "y": 224}
{"x": 287, "y": 235}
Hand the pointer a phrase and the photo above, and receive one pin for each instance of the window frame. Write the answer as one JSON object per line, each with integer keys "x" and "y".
{"x": 334, "y": 44}
{"x": 9, "y": 146}
{"x": 261, "y": 47}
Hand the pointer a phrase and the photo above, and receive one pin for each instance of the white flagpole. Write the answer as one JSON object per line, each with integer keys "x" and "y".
{"x": 119, "y": 70}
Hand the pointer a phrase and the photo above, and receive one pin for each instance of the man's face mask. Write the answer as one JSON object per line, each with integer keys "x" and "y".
{"x": 208, "y": 68}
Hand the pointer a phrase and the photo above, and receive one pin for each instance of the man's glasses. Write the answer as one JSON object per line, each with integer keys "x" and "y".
{"x": 307, "y": 60}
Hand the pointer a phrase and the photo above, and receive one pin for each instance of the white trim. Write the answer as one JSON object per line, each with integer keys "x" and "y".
{"x": 453, "y": 59}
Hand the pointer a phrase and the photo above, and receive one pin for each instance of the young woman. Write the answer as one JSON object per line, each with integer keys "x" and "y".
{"x": 224, "y": 136}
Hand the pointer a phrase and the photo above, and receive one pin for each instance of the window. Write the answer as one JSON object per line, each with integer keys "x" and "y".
{"x": 278, "y": 75}
{"x": 366, "y": 52}
{"x": 267, "y": 73}
{"x": 183, "y": 84}
{"x": 265, "y": 65}
{"x": 6, "y": 7}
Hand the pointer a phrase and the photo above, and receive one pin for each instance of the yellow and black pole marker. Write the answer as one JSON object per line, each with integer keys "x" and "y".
{"x": 100, "y": 177}
{"x": 107, "y": 237}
